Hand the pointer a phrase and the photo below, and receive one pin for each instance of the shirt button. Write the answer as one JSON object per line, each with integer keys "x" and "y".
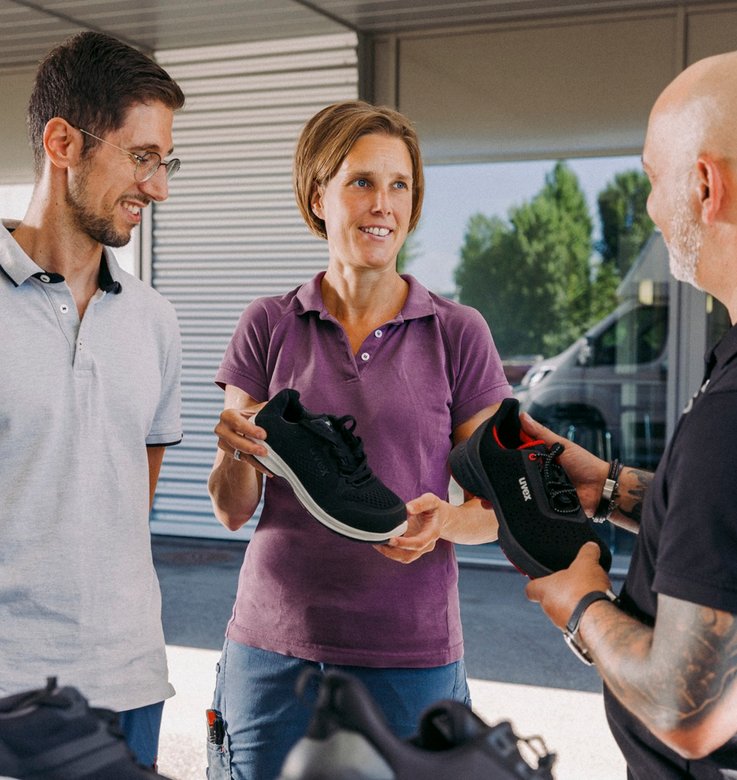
{"x": 365, "y": 356}
{"x": 45, "y": 278}
{"x": 378, "y": 333}
{"x": 63, "y": 308}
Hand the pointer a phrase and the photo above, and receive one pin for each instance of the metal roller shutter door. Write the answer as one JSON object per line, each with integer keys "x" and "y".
{"x": 231, "y": 231}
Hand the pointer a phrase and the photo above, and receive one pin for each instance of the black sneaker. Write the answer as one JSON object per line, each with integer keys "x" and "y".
{"x": 52, "y": 734}
{"x": 349, "y": 739}
{"x": 541, "y": 524}
{"x": 324, "y": 462}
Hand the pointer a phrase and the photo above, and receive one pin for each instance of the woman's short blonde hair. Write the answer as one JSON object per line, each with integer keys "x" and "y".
{"x": 329, "y": 136}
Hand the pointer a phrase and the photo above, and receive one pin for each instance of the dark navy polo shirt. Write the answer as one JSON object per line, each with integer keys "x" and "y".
{"x": 687, "y": 546}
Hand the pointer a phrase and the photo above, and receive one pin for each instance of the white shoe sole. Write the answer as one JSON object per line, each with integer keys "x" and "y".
{"x": 277, "y": 466}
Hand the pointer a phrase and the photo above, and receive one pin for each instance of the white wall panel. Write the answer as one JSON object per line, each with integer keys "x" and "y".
{"x": 16, "y": 159}
{"x": 556, "y": 90}
{"x": 711, "y": 32}
{"x": 231, "y": 231}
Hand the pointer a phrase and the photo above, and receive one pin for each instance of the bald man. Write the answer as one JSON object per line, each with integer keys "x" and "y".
{"x": 667, "y": 647}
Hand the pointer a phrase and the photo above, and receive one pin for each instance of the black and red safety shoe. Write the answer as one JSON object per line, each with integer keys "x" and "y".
{"x": 541, "y": 523}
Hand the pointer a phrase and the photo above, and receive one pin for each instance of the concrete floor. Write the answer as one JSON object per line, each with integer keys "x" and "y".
{"x": 519, "y": 667}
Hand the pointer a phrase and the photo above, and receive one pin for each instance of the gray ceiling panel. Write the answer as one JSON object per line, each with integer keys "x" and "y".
{"x": 29, "y": 29}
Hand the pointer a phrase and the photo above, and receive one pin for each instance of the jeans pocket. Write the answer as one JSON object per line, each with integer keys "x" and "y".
{"x": 218, "y": 761}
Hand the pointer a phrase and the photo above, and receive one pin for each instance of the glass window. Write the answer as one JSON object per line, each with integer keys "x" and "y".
{"x": 565, "y": 265}
{"x": 638, "y": 336}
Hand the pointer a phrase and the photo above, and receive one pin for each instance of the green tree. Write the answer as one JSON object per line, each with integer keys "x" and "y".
{"x": 625, "y": 228}
{"x": 530, "y": 276}
{"x": 409, "y": 251}
{"x": 625, "y": 224}
{"x": 604, "y": 290}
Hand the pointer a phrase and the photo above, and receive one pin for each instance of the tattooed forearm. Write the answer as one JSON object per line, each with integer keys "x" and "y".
{"x": 707, "y": 666}
{"x": 678, "y": 676}
{"x": 633, "y": 485}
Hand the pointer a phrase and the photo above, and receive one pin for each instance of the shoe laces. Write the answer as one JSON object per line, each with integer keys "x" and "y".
{"x": 43, "y": 697}
{"x": 561, "y": 494}
{"x": 55, "y": 697}
{"x": 347, "y": 446}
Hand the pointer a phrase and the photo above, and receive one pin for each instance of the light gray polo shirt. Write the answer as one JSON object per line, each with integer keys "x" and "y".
{"x": 79, "y": 403}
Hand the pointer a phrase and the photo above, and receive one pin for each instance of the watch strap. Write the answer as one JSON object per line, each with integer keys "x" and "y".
{"x": 585, "y": 602}
{"x": 571, "y": 630}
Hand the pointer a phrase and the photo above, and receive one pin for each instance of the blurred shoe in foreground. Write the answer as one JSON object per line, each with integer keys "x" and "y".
{"x": 52, "y": 734}
{"x": 348, "y": 739}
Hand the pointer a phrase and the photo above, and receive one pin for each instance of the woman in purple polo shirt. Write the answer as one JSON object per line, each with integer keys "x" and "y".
{"x": 419, "y": 373}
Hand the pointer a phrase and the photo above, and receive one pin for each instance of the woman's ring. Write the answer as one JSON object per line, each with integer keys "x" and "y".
{"x": 237, "y": 454}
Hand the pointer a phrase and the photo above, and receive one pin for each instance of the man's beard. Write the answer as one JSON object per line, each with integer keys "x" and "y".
{"x": 98, "y": 228}
{"x": 686, "y": 240}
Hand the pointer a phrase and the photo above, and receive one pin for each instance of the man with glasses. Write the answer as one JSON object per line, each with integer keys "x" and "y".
{"x": 89, "y": 397}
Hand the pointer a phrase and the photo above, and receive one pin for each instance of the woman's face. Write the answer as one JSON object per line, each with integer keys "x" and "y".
{"x": 367, "y": 205}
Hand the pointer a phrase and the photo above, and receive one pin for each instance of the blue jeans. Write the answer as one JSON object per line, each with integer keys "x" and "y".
{"x": 255, "y": 693}
{"x": 141, "y": 728}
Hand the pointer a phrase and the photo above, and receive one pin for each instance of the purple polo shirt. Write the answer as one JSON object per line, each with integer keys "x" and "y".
{"x": 304, "y": 591}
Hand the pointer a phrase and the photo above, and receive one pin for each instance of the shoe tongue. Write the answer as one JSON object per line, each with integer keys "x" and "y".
{"x": 448, "y": 725}
{"x": 565, "y": 501}
{"x": 350, "y": 455}
{"x": 323, "y": 426}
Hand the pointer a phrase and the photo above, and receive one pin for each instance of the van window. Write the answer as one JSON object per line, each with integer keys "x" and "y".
{"x": 639, "y": 336}
{"x": 562, "y": 261}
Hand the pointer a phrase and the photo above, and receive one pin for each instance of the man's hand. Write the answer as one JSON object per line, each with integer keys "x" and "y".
{"x": 679, "y": 678}
{"x": 587, "y": 472}
{"x": 559, "y": 593}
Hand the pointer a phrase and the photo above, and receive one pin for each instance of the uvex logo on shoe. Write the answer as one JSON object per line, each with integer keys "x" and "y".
{"x": 525, "y": 490}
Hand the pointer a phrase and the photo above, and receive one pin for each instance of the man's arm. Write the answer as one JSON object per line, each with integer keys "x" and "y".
{"x": 629, "y": 498}
{"x": 678, "y": 677}
{"x": 155, "y": 459}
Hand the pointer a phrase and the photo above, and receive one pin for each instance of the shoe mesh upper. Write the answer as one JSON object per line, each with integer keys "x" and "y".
{"x": 542, "y": 525}
{"x": 325, "y": 454}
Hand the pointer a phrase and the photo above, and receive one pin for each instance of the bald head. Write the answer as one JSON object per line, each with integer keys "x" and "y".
{"x": 696, "y": 113}
{"x": 690, "y": 156}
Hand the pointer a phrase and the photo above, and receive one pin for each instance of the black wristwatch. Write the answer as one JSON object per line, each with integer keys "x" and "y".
{"x": 570, "y": 633}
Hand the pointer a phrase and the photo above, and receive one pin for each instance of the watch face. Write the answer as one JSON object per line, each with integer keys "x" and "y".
{"x": 577, "y": 650}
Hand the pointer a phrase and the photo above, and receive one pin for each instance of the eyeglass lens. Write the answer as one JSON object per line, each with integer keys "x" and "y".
{"x": 149, "y": 163}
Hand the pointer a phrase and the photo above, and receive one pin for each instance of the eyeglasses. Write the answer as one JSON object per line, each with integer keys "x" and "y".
{"x": 146, "y": 164}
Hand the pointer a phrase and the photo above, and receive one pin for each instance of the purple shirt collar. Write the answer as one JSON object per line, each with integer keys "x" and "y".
{"x": 419, "y": 302}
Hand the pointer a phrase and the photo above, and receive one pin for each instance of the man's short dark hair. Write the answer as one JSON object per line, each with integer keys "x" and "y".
{"x": 92, "y": 80}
